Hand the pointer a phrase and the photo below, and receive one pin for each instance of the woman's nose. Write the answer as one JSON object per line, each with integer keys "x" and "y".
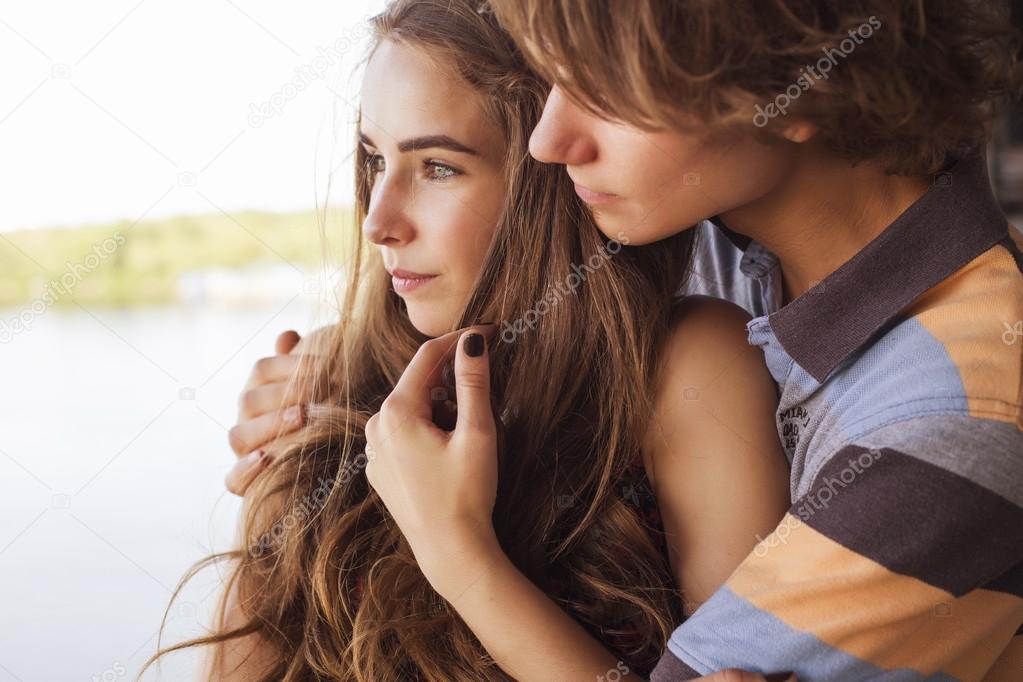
{"x": 387, "y": 222}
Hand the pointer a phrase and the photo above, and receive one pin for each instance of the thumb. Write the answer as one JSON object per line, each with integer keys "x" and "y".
{"x": 286, "y": 341}
{"x": 472, "y": 383}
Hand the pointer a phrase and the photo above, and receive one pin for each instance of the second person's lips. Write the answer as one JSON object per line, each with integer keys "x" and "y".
{"x": 592, "y": 196}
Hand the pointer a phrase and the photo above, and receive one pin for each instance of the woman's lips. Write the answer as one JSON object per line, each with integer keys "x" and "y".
{"x": 405, "y": 281}
{"x": 593, "y": 198}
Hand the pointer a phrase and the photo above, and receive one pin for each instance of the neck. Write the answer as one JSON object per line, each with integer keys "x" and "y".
{"x": 822, "y": 213}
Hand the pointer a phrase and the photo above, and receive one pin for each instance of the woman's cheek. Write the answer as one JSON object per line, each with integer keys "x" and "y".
{"x": 466, "y": 243}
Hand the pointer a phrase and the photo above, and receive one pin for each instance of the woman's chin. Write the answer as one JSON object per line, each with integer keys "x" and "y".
{"x": 431, "y": 322}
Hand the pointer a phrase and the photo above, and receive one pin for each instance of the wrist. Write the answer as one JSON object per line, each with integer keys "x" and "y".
{"x": 459, "y": 558}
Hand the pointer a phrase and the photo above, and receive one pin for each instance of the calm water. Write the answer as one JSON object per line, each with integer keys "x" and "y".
{"x": 112, "y": 456}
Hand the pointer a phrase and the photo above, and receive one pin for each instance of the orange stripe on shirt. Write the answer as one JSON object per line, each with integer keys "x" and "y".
{"x": 975, "y": 313}
{"x": 881, "y": 617}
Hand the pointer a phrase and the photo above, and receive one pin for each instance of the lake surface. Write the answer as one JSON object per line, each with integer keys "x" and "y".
{"x": 113, "y": 450}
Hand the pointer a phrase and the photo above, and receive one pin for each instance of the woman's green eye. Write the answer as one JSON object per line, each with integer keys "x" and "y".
{"x": 440, "y": 171}
{"x": 434, "y": 169}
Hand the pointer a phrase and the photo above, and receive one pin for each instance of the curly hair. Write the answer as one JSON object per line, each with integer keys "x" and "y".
{"x": 903, "y": 83}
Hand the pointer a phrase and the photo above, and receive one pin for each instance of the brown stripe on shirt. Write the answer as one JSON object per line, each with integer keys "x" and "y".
{"x": 671, "y": 669}
{"x": 894, "y": 520}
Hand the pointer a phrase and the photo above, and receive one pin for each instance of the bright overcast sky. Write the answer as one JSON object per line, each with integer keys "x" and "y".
{"x": 118, "y": 109}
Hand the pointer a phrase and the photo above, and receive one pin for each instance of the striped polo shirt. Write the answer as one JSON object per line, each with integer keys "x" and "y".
{"x": 899, "y": 377}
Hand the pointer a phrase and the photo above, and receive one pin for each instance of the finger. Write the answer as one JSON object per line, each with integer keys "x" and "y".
{"x": 286, "y": 341}
{"x": 424, "y": 372}
{"x": 472, "y": 383}
{"x": 246, "y": 436}
{"x": 264, "y": 398}
{"x": 245, "y": 471}
{"x": 274, "y": 368}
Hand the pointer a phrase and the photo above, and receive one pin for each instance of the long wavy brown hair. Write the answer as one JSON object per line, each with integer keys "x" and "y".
{"x": 323, "y": 575}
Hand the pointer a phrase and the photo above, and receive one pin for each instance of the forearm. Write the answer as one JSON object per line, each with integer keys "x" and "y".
{"x": 510, "y": 615}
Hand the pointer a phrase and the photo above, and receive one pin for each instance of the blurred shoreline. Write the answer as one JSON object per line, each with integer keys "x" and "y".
{"x": 250, "y": 257}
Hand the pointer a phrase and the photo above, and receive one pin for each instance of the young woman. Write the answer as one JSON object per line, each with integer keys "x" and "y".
{"x": 605, "y": 392}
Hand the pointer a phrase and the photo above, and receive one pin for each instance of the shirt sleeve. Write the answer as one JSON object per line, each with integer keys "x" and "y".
{"x": 716, "y": 270}
{"x": 903, "y": 560}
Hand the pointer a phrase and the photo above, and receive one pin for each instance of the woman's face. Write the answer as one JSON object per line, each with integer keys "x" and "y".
{"x": 438, "y": 183}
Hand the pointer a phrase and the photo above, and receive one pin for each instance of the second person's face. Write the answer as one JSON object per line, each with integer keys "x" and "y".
{"x": 651, "y": 185}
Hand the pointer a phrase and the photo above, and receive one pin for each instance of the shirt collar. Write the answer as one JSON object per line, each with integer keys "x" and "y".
{"x": 955, "y": 221}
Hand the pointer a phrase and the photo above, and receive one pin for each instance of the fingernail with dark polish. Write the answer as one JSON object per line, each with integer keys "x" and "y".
{"x": 474, "y": 344}
{"x": 778, "y": 677}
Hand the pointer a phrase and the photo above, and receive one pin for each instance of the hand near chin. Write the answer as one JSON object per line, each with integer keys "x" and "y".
{"x": 439, "y": 485}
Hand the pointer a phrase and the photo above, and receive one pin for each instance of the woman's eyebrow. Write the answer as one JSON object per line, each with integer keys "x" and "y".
{"x": 438, "y": 141}
{"x": 427, "y": 142}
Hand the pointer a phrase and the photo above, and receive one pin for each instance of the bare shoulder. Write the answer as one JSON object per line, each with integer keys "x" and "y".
{"x": 707, "y": 335}
{"x": 712, "y": 385}
{"x": 711, "y": 451}
{"x": 703, "y": 311}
